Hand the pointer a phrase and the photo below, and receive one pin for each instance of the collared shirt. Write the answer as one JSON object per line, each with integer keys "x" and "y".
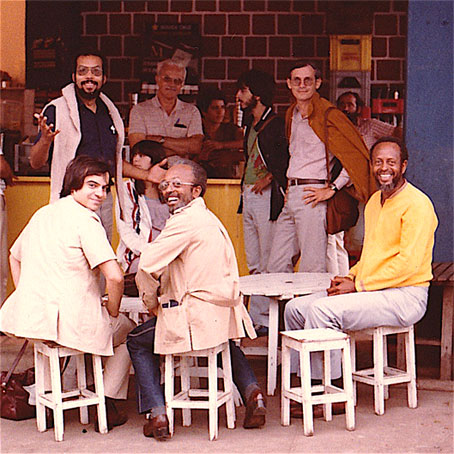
{"x": 307, "y": 153}
{"x": 150, "y": 118}
{"x": 2, "y": 181}
{"x": 372, "y": 129}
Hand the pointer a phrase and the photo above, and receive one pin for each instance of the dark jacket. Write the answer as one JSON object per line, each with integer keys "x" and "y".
{"x": 273, "y": 146}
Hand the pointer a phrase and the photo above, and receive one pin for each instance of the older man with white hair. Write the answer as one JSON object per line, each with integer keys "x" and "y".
{"x": 175, "y": 124}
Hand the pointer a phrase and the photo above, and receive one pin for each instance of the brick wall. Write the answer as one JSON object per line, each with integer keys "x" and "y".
{"x": 241, "y": 34}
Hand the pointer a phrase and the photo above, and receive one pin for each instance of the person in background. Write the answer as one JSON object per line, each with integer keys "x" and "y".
{"x": 6, "y": 178}
{"x": 175, "y": 124}
{"x": 370, "y": 129}
{"x": 222, "y": 148}
{"x": 56, "y": 264}
{"x": 144, "y": 214}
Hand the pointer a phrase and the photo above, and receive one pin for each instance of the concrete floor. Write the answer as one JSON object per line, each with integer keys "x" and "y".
{"x": 428, "y": 429}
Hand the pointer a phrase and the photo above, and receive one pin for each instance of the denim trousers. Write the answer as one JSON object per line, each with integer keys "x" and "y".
{"x": 149, "y": 391}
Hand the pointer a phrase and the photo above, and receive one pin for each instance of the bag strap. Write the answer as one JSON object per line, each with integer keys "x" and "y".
{"x": 16, "y": 361}
{"x": 326, "y": 134}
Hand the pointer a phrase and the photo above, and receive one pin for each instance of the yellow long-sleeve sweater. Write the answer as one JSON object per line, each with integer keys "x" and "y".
{"x": 398, "y": 242}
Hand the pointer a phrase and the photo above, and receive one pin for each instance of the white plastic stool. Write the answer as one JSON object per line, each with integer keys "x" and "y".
{"x": 79, "y": 398}
{"x": 381, "y": 375}
{"x": 306, "y": 341}
{"x": 212, "y": 397}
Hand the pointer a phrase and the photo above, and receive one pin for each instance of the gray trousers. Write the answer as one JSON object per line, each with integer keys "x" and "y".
{"x": 402, "y": 306}
{"x": 258, "y": 235}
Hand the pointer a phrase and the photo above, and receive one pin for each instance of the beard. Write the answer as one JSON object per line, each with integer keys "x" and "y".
{"x": 388, "y": 187}
{"x": 88, "y": 95}
{"x": 250, "y": 105}
{"x": 353, "y": 117}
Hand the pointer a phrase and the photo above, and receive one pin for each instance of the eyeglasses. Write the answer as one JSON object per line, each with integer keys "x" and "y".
{"x": 297, "y": 81}
{"x": 169, "y": 80}
{"x": 84, "y": 70}
{"x": 176, "y": 183}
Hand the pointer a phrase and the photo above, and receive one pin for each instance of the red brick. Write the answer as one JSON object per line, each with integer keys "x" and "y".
{"x": 403, "y": 20}
{"x": 232, "y": 46}
{"x": 383, "y": 6}
{"x": 167, "y": 18}
{"x": 372, "y": 74}
{"x": 114, "y": 91}
{"x": 110, "y": 6}
{"x": 239, "y": 24}
{"x": 111, "y": 46}
{"x": 401, "y": 6}
{"x": 158, "y": 6}
{"x": 379, "y": 47}
{"x": 120, "y": 24}
{"x": 214, "y": 69}
{"x": 192, "y": 19}
{"x": 322, "y": 46}
{"x": 255, "y": 47}
{"x": 312, "y": 24}
{"x": 263, "y": 24}
{"x": 236, "y": 67}
{"x": 278, "y": 5}
{"x": 205, "y": 5}
{"x": 136, "y": 68}
{"x": 385, "y": 24}
{"x": 133, "y": 46}
{"x": 283, "y": 68}
{"x": 134, "y": 6}
{"x": 130, "y": 86}
{"x": 181, "y": 6}
{"x": 388, "y": 70}
{"x": 253, "y": 5}
{"x": 229, "y": 89}
{"x": 279, "y": 46}
{"x": 229, "y": 5}
{"x": 86, "y": 6}
{"x": 210, "y": 46}
{"x": 303, "y": 5}
{"x": 96, "y": 24}
{"x": 120, "y": 68}
{"x": 288, "y": 24}
{"x": 378, "y": 91}
{"x": 139, "y": 21}
{"x": 88, "y": 42}
{"x": 264, "y": 64}
{"x": 303, "y": 47}
{"x": 397, "y": 47}
{"x": 214, "y": 24}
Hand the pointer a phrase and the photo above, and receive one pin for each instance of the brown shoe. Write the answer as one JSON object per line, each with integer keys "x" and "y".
{"x": 255, "y": 410}
{"x": 114, "y": 417}
{"x": 157, "y": 427}
{"x": 296, "y": 409}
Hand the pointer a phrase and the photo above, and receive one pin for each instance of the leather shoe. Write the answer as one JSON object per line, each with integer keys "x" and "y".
{"x": 296, "y": 409}
{"x": 255, "y": 410}
{"x": 158, "y": 428}
{"x": 114, "y": 417}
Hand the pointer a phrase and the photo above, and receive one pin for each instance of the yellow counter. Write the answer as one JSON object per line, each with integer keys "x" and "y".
{"x": 31, "y": 193}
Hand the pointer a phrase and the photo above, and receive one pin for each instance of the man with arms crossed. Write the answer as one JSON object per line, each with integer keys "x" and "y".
{"x": 192, "y": 266}
{"x": 175, "y": 124}
{"x": 56, "y": 265}
{"x": 389, "y": 284}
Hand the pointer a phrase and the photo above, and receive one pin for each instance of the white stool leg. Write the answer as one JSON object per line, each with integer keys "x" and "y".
{"x": 39, "y": 390}
{"x": 385, "y": 366}
{"x": 185, "y": 386}
{"x": 82, "y": 385}
{"x": 99, "y": 389}
{"x": 285, "y": 401}
{"x": 169, "y": 388}
{"x": 378, "y": 372}
{"x": 327, "y": 408}
{"x": 228, "y": 386}
{"x": 306, "y": 392}
{"x": 411, "y": 367}
{"x": 56, "y": 393}
{"x": 273, "y": 332}
{"x": 213, "y": 395}
{"x": 353, "y": 356}
{"x": 348, "y": 386}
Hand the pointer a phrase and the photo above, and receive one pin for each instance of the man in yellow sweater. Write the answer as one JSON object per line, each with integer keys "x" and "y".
{"x": 389, "y": 284}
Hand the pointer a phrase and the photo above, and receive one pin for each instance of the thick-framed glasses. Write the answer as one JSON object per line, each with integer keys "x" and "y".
{"x": 170, "y": 80}
{"x": 176, "y": 183}
{"x": 297, "y": 81}
{"x": 84, "y": 70}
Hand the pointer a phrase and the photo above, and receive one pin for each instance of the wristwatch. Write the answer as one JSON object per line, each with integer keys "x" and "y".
{"x": 333, "y": 187}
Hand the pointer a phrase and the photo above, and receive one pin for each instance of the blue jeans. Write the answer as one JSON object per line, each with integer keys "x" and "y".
{"x": 150, "y": 393}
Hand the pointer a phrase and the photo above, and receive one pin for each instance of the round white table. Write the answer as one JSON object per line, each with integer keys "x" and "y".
{"x": 279, "y": 287}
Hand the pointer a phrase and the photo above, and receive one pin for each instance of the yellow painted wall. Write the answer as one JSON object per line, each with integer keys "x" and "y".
{"x": 12, "y": 39}
{"x": 31, "y": 193}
